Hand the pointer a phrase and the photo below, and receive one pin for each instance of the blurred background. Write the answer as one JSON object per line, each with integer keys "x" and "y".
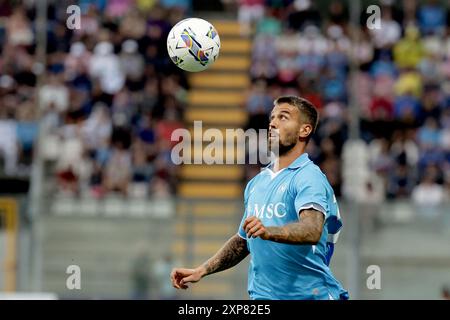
{"x": 86, "y": 117}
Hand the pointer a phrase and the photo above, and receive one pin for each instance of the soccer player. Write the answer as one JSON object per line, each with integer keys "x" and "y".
{"x": 291, "y": 219}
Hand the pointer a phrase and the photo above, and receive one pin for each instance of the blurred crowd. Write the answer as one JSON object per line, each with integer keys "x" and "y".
{"x": 109, "y": 101}
{"x": 399, "y": 74}
{"x": 111, "y": 98}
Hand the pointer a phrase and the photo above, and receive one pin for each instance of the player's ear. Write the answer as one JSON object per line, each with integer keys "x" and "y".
{"x": 305, "y": 131}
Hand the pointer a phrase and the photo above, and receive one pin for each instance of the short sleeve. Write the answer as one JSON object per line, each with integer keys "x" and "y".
{"x": 241, "y": 231}
{"x": 311, "y": 193}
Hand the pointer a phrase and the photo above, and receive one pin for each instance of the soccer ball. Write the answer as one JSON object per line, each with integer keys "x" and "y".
{"x": 193, "y": 44}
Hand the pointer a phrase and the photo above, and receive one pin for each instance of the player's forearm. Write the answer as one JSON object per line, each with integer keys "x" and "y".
{"x": 232, "y": 252}
{"x": 295, "y": 233}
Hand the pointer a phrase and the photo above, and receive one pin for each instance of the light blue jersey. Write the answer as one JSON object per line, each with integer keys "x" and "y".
{"x": 287, "y": 271}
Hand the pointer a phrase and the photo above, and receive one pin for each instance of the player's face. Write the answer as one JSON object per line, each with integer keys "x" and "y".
{"x": 284, "y": 127}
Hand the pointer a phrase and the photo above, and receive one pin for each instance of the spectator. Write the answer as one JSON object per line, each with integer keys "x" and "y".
{"x": 18, "y": 28}
{"x": 118, "y": 8}
{"x": 54, "y": 95}
{"x": 312, "y": 40}
{"x": 149, "y": 98}
{"x": 97, "y": 4}
{"x": 404, "y": 149}
{"x": 409, "y": 51}
{"x": 445, "y": 132}
{"x": 409, "y": 81}
{"x": 431, "y": 17}
{"x": 381, "y": 109}
{"x": 338, "y": 14}
{"x": 431, "y": 104}
{"x": 6, "y": 8}
{"x": 429, "y": 136}
{"x": 250, "y": 12}
{"x": 96, "y": 181}
{"x": 166, "y": 126}
{"x": 69, "y": 162}
{"x": 383, "y": 66}
{"x": 333, "y": 85}
{"x": 446, "y": 292}
{"x": 132, "y": 26}
{"x": 162, "y": 268}
{"x": 27, "y": 131}
{"x": 409, "y": 12}
{"x": 406, "y": 108}
{"x": 132, "y": 65}
{"x": 329, "y": 163}
{"x": 76, "y": 64}
{"x": 145, "y": 5}
{"x": 140, "y": 275}
{"x": 381, "y": 161}
{"x": 308, "y": 90}
{"x": 389, "y": 33}
{"x": 264, "y": 58}
{"x": 183, "y": 4}
{"x": 90, "y": 22}
{"x": 97, "y": 129}
{"x": 105, "y": 66}
{"x": 258, "y": 105}
{"x": 428, "y": 193}
{"x": 304, "y": 13}
{"x": 400, "y": 182}
{"x": 142, "y": 170}
{"x": 118, "y": 180}
{"x": 160, "y": 188}
{"x": 269, "y": 24}
{"x": 8, "y": 145}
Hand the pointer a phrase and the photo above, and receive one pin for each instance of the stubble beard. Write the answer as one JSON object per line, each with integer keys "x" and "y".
{"x": 282, "y": 147}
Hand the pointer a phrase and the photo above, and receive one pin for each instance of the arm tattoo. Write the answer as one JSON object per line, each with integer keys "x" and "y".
{"x": 232, "y": 252}
{"x": 307, "y": 231}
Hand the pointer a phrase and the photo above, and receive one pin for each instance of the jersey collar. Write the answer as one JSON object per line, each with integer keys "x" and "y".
{"x": 300, "y": 162}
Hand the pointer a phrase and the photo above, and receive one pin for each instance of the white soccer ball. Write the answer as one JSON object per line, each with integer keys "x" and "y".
{"x": 193, "y": 44}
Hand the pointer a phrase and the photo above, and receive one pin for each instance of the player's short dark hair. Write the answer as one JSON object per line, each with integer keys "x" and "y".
{"x": 307, "y": 110}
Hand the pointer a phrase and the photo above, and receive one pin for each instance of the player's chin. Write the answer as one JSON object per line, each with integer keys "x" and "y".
{"x": 274, "y": 143}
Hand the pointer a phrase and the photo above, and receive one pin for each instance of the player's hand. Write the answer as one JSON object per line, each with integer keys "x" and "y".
{"x": 181, "y": 276}
{"x": 253, "y": 227}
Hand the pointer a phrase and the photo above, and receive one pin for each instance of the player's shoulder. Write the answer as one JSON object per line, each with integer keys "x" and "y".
{"x": 255, "y": 179}
{"x": 311, "y": 170}
{"x": 261, "y": 175}
{"x": 310, "y": 175}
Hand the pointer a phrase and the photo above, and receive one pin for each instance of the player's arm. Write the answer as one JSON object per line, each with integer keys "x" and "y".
{"x": 307, "y": 231}
{"x": 232, "y": 252}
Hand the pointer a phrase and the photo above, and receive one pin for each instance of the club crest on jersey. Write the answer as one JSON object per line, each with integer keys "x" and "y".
{"x": 282, "y": 188}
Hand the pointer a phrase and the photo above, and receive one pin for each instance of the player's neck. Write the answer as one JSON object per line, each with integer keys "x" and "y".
{"x": 286, "y": 159}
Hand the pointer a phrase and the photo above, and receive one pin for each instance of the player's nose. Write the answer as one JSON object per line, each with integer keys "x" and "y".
{"x": 272, "y": 124}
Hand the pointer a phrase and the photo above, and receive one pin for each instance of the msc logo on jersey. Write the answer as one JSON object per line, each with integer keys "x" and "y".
{"x": 268, "y": 211}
